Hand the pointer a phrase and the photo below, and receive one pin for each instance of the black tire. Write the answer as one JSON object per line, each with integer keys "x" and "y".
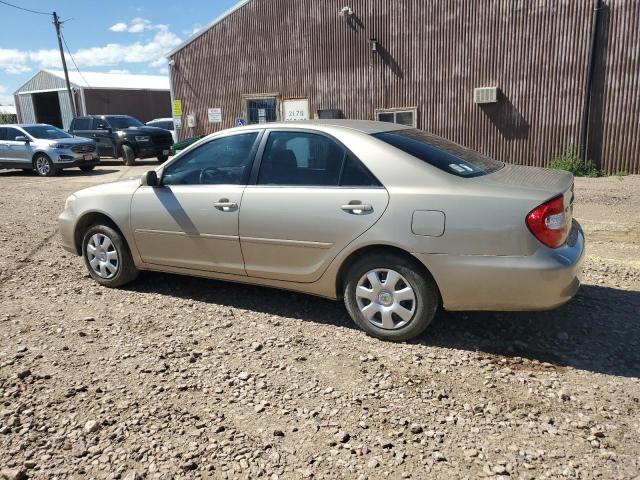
{"x": 126, "y": 270}
{"x": 128, "y": 155}
{"x": 43, "y": 166}
{"x": 162, "y": 158}
{"x": 87, "y": 168}
{"x": 427, "y": 297}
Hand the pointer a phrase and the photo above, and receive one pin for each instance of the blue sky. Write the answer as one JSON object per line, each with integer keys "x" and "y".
{"x": 109, "y": 35}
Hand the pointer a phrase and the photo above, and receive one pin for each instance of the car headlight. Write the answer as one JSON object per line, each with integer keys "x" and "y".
{"x": 142, "y": 138}
{"x": 60, "y": 145}
{"x": 69, "y": 201}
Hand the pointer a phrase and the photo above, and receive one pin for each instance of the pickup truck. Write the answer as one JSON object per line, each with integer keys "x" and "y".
{"x": 123, "y": 136}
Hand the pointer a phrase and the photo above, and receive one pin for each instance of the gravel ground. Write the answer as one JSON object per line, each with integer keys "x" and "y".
{"x": 177, "y": 377}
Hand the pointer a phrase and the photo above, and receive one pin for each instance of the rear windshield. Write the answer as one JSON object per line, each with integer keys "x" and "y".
{"x": 441, "y": 153}
{"x": 46, "y": 132}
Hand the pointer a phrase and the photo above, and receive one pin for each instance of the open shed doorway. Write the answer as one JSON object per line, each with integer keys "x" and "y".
{"x": 47, "y": 108}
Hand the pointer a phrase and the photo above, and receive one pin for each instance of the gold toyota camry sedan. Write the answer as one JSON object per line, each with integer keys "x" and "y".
{"x": 395, "y": 221}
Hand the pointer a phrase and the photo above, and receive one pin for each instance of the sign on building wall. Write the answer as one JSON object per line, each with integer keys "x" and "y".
{"x": 295, "y": 109}
{"x": 177, "y": 108}
{"x": 215, "y": 115}
{"x": 177, "y": 123}
{"x": 191, "y": 121}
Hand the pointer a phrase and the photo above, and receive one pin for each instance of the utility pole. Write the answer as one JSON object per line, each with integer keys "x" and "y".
{"x": 56, "y": 22}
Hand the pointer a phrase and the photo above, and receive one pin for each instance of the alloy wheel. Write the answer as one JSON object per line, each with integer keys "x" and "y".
{"x": 42, "y": 166}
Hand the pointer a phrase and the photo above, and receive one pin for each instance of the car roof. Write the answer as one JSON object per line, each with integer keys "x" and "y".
{"x": 166, "y": 119}
{"x": 364, "y": 126}
{"x": 22, "y": 125}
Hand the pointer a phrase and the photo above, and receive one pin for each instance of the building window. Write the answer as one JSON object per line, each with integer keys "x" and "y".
{"x": 262, "y": 110}
{"x": 403, "y": 116}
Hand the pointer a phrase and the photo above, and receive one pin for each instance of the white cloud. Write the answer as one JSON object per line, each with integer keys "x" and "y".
{"x": 118, "y": 27}
{"x": 151, "y": 51}
{"x": 5, "y": 97}
{"x": 160, "y": 62}
{"x": 122, "y": 71}
{"x": 13, "y": 61}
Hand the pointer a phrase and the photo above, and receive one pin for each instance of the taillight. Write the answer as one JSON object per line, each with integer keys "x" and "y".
{"x": 548, "y": 222}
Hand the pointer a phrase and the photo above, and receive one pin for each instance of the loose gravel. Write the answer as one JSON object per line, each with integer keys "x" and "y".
{"x": 178, "y": 377}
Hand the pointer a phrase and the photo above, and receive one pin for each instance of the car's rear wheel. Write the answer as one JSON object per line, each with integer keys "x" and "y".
{"x": 108, "y": 257}
{"x": 390, "y": 297}
{"x": 43, "y": 166}
{"x": 128, "y": 155}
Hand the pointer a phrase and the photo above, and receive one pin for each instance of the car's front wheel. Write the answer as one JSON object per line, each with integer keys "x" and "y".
{"x": 390, "y": 297}
{"x": 44, "y": 166}
{"x": 108, "y": 257}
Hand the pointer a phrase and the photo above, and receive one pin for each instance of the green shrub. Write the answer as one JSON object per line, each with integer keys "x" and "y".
{"x": 570, "y": 162}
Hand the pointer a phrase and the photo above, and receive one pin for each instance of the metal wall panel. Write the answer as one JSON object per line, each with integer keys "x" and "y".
{"x": 27, "y": 113}
{"x": 66, "y": 110}
{"x": 145, "y": 105}
{"x": 615, "y": 119}
{"x": 431, "y": 56}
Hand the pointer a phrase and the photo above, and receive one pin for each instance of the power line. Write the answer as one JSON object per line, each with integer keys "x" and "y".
{"x": 24, "y": 9}
{"x": 73, "y": 60}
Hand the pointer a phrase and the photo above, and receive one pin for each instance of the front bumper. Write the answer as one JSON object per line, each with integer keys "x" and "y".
{"x": 542, "y": 281}
{"x": 66, "y": 222}
{"x": 69, "y": 159}
{"x": 149, "y": 151}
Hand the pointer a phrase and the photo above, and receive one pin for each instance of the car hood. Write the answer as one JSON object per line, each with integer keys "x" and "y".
{"x": 145, "y": 129}
{"x": 123, "y": 186}
{"x": 70, "y": 141}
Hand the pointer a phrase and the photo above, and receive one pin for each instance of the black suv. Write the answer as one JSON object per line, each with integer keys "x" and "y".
{"x": 123, "y": 136}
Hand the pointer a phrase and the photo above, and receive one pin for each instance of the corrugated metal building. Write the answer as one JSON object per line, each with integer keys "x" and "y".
{"x": 44, "y": 98}
{"x": 418, "y": 62}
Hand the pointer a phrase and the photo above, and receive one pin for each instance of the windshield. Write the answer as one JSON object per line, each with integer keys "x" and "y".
{"x": 46, "y": 132}
{"x": 441, "y": 153}
{"x": 122, "y": 122}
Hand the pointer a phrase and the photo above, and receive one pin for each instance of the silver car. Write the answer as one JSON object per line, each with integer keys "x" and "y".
{"x": 45, "y": 149}
{"x": 394, "y": 220}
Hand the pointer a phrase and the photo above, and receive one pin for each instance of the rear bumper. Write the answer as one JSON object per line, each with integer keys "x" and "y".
{"x": 542, "y": 281}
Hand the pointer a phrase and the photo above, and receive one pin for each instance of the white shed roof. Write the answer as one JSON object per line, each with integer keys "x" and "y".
{"x": 115, "y": 80}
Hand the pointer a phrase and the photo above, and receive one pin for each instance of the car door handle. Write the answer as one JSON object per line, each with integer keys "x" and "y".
{"x": 357, "y": 208}
{"x": 225, "y": 205}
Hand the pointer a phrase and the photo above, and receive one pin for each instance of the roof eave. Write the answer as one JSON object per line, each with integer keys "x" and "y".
{"x": 208, "y": 27}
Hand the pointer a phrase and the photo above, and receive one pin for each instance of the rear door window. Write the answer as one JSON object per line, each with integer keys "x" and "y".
{"x": 12, "y": 133}
{"x": 300, "y": 158}
{"x": 441, "y": 153}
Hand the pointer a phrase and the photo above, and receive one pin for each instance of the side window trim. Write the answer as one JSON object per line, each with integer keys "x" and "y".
{"x": 257, "y": 163}
{"x": 252, "y": 155}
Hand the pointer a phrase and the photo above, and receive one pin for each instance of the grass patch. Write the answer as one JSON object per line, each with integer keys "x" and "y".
{"x": 570, "y": 162}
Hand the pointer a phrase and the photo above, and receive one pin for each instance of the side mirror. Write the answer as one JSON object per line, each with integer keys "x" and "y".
{"x": 150, "y": 179}
{"x": 22, "y": 138}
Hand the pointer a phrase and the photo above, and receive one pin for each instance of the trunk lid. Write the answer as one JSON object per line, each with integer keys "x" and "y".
{"x": 542, "y": 184}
